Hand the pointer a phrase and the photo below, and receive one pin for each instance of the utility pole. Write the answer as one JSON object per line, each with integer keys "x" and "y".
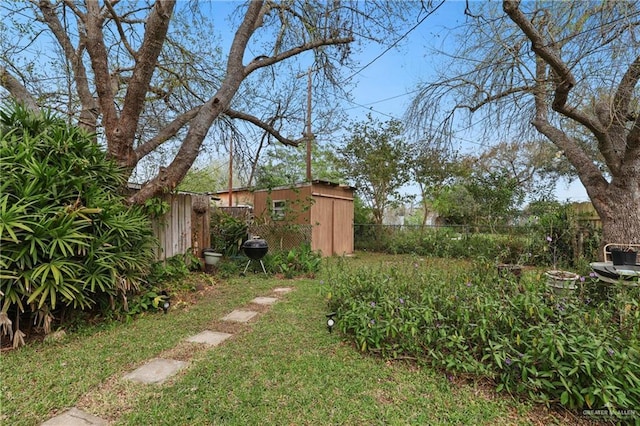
{"x": 309, "y": 134}
{"x": 231, "y": 171}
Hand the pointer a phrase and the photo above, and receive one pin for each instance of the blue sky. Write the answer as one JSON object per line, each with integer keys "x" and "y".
{"x": 386, "y": 86}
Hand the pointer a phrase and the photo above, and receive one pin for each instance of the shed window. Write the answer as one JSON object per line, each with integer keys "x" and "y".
{"x": 278, "y": 210}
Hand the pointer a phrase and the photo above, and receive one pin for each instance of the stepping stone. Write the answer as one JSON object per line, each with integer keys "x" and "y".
{"x": 211, "y": 338}
{"x": 282, "y": 290}
{"x": 75, "y": 417}
{"x": 239, "y": 316}
{"x": 156, "y": 371}
{"x": 265, "y": 300}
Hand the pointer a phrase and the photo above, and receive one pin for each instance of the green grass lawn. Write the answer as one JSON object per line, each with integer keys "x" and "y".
{"x": 282, "y": 368}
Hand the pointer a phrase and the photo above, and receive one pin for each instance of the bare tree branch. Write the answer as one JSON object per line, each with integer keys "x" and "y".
{"x": 209, "y": 111}
{"x": 167, "y": 132}
{"x": 146, "y": 58}
{"x": 89, "y": 110}
{"x": 144, "y": 72}
{"x": 565, "y": 79}
{"x": 116, "y": 19}
{"x": 264, "y": 126}
{"x": 579, "y": 62}
{"x": 263, "y": 61}
{"x": 497, "y": 96}
{"x": 622, "y": 102}
{"x": 17, "y": 90}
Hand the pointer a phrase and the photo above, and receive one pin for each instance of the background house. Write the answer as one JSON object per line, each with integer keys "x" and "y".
{"x": 239, "y": 197}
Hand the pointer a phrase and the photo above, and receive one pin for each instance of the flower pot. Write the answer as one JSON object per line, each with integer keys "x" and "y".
{"x": 623, "y": 257}
{"x": 561, "y": 282}
{"x": 211, "y": 257}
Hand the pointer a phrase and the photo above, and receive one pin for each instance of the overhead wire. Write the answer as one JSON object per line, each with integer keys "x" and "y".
{"x": 395, "y": 43}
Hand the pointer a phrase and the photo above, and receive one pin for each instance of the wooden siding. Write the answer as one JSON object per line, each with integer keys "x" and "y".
{"x": 587, "y": 214}
{"x": 332, "y": 219}
{"x": 240, "y": 197}
{"x": 343, "y": 227}
{"x": 299, "y": 204}
{"x": 327, "y": 208}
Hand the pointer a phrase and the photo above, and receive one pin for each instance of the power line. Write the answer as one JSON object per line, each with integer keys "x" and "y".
{"x": 381, "y": 100}
{"x": 357, "y": 105}
{"x": 395, "y": 43}
{"x": 485, "y": 67}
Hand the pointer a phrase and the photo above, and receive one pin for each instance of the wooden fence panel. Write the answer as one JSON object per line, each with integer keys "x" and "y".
{"x": 200, "y": 223}
{"x": 183, "y": 228}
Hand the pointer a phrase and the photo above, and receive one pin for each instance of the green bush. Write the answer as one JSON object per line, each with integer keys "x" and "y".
{"x": 301, "y": 261}
{"x": 459, "y": 244}
{"x": 227, "y": 232}
{"x": 526, "y": 244}
{"x": 174, "y": 268}
{"x": 557, "y": 232}
{"x": 68, "y": 239}
{"x": 579, "y": 351}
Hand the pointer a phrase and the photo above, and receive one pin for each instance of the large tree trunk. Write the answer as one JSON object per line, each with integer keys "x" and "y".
{"x": 614, "y": 123}
{"x": 171, "y": 176}
{"x": 619, "y": 211}
{"x": 123, "y": 48}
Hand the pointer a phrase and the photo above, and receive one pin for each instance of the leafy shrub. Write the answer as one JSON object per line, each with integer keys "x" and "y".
{"x": 527, "y": 244}
{"x": 230, "y": 266}
{"x": 227, "y": 232}
{"x": 295, "y": 262}
{"x": 559, "y": 223}
{"x": 580, "y": 351}
{"x": 67, "y": 238}
{"x": 173, "y": 268}
{"x": 451, "y": 242}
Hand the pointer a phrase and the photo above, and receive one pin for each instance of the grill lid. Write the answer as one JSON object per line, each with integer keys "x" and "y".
{"x": 255, "y": 242}
{"x": 255, "y": 248}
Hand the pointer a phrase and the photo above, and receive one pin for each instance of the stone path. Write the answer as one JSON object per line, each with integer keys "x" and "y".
{"x": 75, "y": 417}
{"x": 239, "y": 316}
{"x": 158, "y": 370}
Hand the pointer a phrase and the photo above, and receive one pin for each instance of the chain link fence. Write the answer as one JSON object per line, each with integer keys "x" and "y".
{"x": 282, "y": 237}
{"x": 509, "y": 244}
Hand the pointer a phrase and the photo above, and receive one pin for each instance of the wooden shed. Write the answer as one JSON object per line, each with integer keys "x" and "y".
{"x": 327, "y": 207}
{"x": 239, "y": 197}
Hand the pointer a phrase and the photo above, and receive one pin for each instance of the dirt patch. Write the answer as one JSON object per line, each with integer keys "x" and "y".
{"x": 184, "y": 351}
{"x": 111, "y": 399}
{"x": 230, "y": 327}
{"x": 256, "y": 307}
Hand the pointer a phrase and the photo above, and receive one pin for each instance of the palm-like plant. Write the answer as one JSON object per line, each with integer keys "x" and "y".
{"x": 67, "y": 237}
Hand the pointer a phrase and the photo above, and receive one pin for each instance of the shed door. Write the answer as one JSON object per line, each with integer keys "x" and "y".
{"x": 342, "y": 227}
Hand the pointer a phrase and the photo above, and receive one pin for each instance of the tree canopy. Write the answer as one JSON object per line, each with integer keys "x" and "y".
{"x": 568, "y": 71}
{"x": 376, "y": 159}
{"x": 148, "y": 75}
{"x": 287, "y": 166}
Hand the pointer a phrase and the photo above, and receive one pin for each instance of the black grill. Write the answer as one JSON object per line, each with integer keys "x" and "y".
{"x": 255, "y": 248}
